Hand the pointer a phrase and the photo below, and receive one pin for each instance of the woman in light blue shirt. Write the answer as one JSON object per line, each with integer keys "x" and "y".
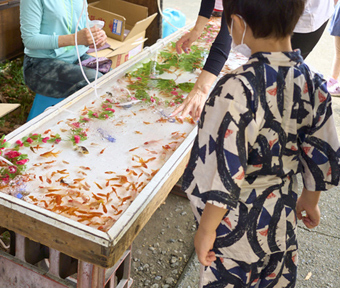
{"x": 48, "y": 33}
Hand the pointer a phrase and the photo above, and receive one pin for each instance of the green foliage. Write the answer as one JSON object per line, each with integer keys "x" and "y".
{"x": 141, "y": 80}
{"x": 149, "y": 68}
{"x": 139, "y": 84}
{"x": 13, "y": 88}
{"x": 6, "y": 236}
{"x": 171, "y": 59}
{"x": 187, "y": 62}
{"x": 191, "y": 61}
{"x": 165, "y": 85}
{"x": 186, "y": 87}
{"x": 15, "y": 157}
{"x": 142, "y": 94}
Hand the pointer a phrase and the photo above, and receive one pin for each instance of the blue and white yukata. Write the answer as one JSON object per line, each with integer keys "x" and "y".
{"x": 267, "y": 121}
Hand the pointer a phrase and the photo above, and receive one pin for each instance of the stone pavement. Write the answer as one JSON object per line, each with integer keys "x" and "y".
{"x": 319, "y": 249}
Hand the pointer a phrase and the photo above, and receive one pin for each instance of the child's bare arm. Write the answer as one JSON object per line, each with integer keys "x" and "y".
{"x": 308, "y": 202}
{"x": 206, "y": 233}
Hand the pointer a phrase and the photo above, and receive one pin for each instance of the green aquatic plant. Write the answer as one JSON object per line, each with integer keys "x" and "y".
{"x": 147, "y": 77}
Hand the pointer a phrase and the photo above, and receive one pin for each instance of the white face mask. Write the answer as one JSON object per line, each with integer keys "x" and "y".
{"x": 241, "y": 48}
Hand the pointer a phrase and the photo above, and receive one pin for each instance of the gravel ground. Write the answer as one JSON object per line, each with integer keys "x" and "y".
{"x": 319, "y": 250}
{"x": 163, "y": 253}
{"x": 162, "y": 249}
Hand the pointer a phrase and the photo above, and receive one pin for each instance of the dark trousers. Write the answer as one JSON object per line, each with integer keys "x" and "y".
{"x": 307, "y": 41}
{"x": 56, "y": 78}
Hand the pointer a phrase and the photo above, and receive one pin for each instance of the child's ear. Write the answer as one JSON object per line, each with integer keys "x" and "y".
{"x": 238, "y": 22}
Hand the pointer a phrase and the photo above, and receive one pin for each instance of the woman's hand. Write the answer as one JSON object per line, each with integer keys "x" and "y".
{"x": 84, "y": 37}
{"x": 186, "y": 41}
{"x": 194, "y": 102}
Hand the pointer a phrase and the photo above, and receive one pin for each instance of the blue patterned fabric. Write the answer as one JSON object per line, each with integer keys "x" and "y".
{"x": 275, "y": 270}
{"x": 263, "y": 124}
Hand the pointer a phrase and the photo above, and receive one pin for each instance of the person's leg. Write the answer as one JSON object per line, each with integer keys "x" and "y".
{"x": 275, "y": 270}
{"x": 225, "y": 272}
{"x": 280, "y": 270}
{"x": 336, "y": 61}
{"x": 55, "y": 78}
{"x": 332, "y": 82}
{"x": 218, "y": 9}
{"x": 307, "y": 41}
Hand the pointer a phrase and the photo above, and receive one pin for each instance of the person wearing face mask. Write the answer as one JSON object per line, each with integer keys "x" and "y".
{"x": 262, "y": 125}
{"x": 241, "y": 48}
{"x": 306, "y": 35}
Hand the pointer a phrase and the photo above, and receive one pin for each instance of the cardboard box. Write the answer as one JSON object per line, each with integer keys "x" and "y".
{"x": 123, "y": 20}
{"x": 125, "y": 25}
{"x": 124, "y": 52}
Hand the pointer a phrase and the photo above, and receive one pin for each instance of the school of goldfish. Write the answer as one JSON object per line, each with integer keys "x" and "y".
{"x": 93, "y": 179}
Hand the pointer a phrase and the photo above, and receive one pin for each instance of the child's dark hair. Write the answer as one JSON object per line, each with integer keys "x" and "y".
{"x": 266, "y": 18}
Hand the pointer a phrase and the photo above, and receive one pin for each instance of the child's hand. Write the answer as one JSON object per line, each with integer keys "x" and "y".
{"x": 206, "y": 233}
{"x": 203, "y": 244}
{"x": 308, "y": 202}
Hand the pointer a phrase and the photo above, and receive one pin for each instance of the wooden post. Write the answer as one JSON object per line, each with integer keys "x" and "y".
{"x": 154, "y": 31}
{"x": 10, "y": 38}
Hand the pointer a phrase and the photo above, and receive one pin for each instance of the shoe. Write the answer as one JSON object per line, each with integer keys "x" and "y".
{"x": 217, "y": 13}
{"x": 331, "y": 81}
{"x": 334, "y": 90}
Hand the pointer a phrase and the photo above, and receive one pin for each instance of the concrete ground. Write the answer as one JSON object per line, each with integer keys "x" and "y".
{"x": 319, "y": 254}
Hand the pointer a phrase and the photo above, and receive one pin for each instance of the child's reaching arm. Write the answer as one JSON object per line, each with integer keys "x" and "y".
{"x": 308, "y": 202}
{"x": 206, "y": 233}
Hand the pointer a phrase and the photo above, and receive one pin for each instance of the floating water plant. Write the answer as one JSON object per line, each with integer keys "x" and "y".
{"x": 142, "y": 80}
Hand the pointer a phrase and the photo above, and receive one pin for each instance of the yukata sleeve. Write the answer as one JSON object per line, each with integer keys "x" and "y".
{"x": 320, "y": 154}
{"x": 30, "y": 21}
{"x": 228, "y": 130}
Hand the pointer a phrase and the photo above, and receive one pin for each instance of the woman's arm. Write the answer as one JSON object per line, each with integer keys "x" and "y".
{"x": 218, "y": 55}
{"x": 207, "y": 7}
{"x": 31, "y": 14}
{"x": 84, "y": 38}
{"x": 194, "y": 102}
{"x": 30, "y": 22}
{"x": 219, "y": 50}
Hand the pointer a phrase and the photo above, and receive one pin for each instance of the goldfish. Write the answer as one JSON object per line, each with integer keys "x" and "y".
{"x": 50, "y": 154}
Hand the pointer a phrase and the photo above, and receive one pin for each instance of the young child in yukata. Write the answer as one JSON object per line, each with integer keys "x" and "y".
{"x": 263, "y": 124}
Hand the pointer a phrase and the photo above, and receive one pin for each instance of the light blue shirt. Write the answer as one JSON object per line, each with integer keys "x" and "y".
{"x": 43, "y": 21}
